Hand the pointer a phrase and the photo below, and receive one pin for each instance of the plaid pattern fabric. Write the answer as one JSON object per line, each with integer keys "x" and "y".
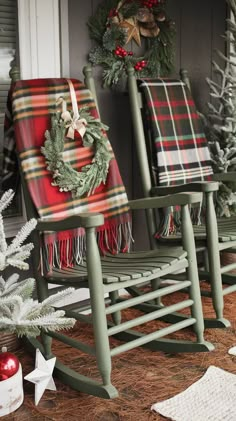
{"x": 33, "y": 102}
{"x": 182, "y": 154}
{"x": 179, "y": 147}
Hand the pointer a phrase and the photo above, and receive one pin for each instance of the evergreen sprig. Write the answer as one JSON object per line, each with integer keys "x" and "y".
{"x": 129, "y": 9}
{"x": 97, "y": 22}
{"x": 13, "y": 287}
{"x": 19, "y": 313}
{"x": 25, "y": 316}
{"x": 112, "y": 37}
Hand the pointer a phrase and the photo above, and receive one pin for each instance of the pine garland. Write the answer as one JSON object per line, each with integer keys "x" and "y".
{"x": 64, "y": 176}
{"x": 110, "y": 28}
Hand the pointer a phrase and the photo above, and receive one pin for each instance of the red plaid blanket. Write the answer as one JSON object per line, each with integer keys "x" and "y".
{"x": 33, "y": 102}
{"x": 180, "y": 150}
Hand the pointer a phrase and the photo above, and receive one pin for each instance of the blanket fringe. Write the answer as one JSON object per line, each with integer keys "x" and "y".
{"x": 171, "y": 221}
{"x": 69, "y": 252}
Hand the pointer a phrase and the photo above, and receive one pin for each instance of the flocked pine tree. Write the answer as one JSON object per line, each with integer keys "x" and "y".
{"x": 19, "y": 312}
{"x": 220, "y": 119}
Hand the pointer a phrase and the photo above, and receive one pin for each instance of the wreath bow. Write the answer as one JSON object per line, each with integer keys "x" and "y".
{"x": 74, "y": 123}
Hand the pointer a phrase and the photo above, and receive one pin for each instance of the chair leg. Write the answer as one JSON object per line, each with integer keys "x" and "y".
{"x": 116, "y": 316}
{"x": 98, "y": 307}
{"x": 214, "y": 262}
{"x": 43, "y": 293}
{"x": 216, "y": 288}
{"x": 156, "y": 285}
{"x": 206, "y": 260}
{"x": 192, "y": 270}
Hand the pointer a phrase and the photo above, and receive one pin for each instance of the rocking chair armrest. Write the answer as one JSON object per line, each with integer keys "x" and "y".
{"x": 84, "y": 220}
{"x": 166, "y": 201}
{"x": 228, "y": 176}
{"x": 196, "y": 186}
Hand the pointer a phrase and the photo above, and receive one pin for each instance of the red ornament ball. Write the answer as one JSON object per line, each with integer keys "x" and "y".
{"x": 9, "y": 364}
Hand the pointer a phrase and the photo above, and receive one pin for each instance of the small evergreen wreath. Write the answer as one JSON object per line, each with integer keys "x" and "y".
{"x": 64, "y": 176}
{"x": 116, "y": 23}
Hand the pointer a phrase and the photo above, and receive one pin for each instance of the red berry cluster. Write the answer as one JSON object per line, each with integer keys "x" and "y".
{"x": 121, "y": 52}
{"x": 113, "y": 13}
{"x": 149, "y": 3}
{"x": 140, "y": 65}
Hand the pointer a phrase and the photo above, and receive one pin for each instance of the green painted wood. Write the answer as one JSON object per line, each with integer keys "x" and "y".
{"x": 229, "y": 176}
{"x": 124, "y": 267}
{"x": 73, "y": 379}
{"x": 174, "y": 253}
{"x": 227, "y": 245}
{"x": 192, "y": 270}
{"x": 147, "y": 317}
{"x": 98, "y": 306}
{"x": 116, "y": 312}
{"x": 198, "y": 186}
{"x": 176, "y": 317}
{"x": 165, "y": 201}
{"x": 143, "y": 297}
{"x": 73, "y": 343}
{"x": 85, "y": 220}
{"x": 217, "y": 235}
{"x": 226, "y": 230}
{"x": 165, "y": 345}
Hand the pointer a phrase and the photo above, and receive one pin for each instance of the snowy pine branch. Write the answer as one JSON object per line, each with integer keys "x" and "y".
{"x": 26, "y": 316}
{"x": 12, "y": 287}
{"x": 6, "y": 199}
{"x": 220, "y": 118}
{"x": 15, "y": 254}
{"x": 19, "y": 313}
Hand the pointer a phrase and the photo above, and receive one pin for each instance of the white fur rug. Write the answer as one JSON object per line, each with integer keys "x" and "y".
{"x": 211, "y": 398}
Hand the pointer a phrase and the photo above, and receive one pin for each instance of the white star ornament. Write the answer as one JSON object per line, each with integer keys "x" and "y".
{"x": 42, "y": 375}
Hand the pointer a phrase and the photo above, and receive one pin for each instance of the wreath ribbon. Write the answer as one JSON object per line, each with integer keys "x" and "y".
{"x": 74, "y": 123}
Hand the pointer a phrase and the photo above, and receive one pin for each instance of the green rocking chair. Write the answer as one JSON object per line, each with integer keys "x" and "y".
{"x": 173, "y": 157}
{"x": 98, "y": 258}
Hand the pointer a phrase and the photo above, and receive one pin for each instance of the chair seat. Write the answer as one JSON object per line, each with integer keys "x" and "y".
{"x": 226, "y": 231}
{"x": 129, "y": 266}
